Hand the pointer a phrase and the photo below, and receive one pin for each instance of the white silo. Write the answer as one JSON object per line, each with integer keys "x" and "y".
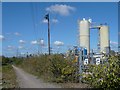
{"x": 84, "y": 31}
{"x": 104, "y": 38}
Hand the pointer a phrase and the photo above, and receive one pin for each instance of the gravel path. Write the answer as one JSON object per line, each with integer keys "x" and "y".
{"x": 26, "y": 80}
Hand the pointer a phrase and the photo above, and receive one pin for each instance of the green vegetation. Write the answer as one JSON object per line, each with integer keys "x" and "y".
{"x": 0, "y": 77}
{"x": 105, "y": 75}
{"x": 8, "y": 77}
{"x": 56, "y": 68}
{"x": 0, "y": 69}
{"x": 52, "y": 68}
{"x": 10, "y": 60}
{"x": 8, "y": 74}
{"x": 0, "y": 72}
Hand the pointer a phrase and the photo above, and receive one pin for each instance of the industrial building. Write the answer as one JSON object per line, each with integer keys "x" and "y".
{"x": 82, "y": 54}
{"x": 84, "y": 29}
{"x": 84, "y": 36}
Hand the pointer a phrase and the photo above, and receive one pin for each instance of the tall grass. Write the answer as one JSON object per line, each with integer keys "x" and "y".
{"x": 8, "y": 77}
{"x": 54, "y": 68}
{"x": 0, "y": 77}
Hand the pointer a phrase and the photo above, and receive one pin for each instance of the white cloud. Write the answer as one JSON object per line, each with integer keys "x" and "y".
{"x": 34, "y": 42}
{"x": 54, "y": 20}
{"x": 22, "y": 53}
{"x": 10, "y": 47}
{"x": 21, "y": 41}
{"x": 17, "y": 34}
{"x": 61, "y": 9}
{"x": 45, "y": 21}
{"x": 41, "y": 42}
{"x": 1, "y": 37}
{"x": 113, "y": 43}
{"x": 58, "y": 43}
{"x": 20, "y": 47}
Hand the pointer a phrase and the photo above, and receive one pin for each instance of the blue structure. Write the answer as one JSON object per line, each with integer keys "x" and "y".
{"x": 85, "y": 51}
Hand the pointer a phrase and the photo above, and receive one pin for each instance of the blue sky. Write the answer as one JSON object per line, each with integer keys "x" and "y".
{"x": 23, "y": 24}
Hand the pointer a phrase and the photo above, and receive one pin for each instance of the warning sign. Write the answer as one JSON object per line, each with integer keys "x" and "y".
{"x": 86, "y": 62}
{"x": 97, "y": 61}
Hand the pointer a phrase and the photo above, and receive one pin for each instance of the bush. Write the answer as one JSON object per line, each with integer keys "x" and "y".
{"x": 6, "y": 60}
{"x": 63, "y": 70}
{"x": 52, "y": 68}
{"x": 8, "y": 77}
{"x": 105, "y": 75}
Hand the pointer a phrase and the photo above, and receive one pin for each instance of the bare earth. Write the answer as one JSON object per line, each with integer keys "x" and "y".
{"x": 26, "y": 80}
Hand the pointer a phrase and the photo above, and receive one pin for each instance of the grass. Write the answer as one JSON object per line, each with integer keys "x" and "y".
{"x": 39, "y": 66}
{"x": 35, "y": 65}
{"x": 8, "y": 77}
{"x": 0, "y": 77}
{"x": 0, "y": 69}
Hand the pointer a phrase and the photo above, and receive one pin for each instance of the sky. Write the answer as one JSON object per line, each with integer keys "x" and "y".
{"x": 23, "y": 25}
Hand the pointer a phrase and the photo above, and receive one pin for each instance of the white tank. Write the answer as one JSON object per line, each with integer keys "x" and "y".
{"x": 84, "y": 29}
{"x": 104, "y": 38}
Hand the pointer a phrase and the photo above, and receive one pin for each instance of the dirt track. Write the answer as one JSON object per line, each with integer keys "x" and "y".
{"x": 26, "y": 80}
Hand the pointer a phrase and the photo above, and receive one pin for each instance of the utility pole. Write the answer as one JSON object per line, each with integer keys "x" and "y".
{"x": 99, "y": 39}
{"x": 47, "y": 17}
{"x": 48, "y": 35}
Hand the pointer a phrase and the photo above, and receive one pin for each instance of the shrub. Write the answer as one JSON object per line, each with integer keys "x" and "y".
{"x": 63, "y": 70}
{"x": 51, "y": 68}
{"x": 6, "y": 60}
{"x": 8, "y": 77}
{"x": 105, "y": 75}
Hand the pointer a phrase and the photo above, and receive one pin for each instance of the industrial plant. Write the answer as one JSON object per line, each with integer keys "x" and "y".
{"x": 83, "y": 54}
{"x": 84, "y": 35}
{"x": 58, "y": 45}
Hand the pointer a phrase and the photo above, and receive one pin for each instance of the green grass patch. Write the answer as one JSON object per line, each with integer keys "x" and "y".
{"x": 0, "y": 77}
{"x": 8, "y": 77}
{"x": 0, "y": 69}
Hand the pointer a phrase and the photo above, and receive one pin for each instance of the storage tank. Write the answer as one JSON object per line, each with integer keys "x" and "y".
{"x": 84, "y": 31}
{"x": 104, "y": 38}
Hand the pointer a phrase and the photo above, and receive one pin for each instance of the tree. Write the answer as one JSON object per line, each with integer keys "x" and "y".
{"x": 6, "y": 60}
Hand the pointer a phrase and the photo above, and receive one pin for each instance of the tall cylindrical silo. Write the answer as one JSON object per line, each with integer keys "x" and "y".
{"x": 84, "y": 29}
{"x": 104, "y": 38}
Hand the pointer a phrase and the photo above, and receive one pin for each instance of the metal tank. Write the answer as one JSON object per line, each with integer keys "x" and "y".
{"x": 104, "y": 38}
{"x": 84, "y": 31}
